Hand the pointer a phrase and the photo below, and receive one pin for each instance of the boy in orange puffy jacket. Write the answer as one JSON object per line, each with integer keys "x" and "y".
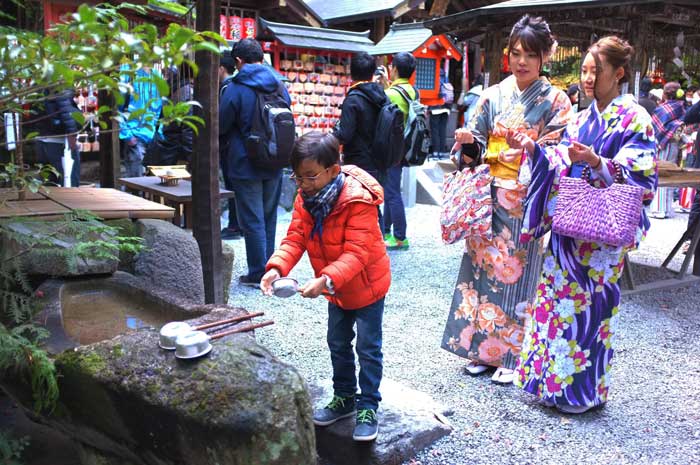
{"x": 335, "y": 221}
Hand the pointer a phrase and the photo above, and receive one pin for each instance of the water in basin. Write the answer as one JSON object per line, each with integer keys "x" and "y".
{"x": 92, "y": 315}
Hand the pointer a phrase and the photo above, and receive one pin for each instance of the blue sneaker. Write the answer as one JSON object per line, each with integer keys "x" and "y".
{"x": 337, "y": 409}
{"x": 366, "y": 425}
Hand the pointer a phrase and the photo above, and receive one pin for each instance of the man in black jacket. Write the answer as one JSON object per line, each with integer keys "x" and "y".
{"x": 358, "y": 118}
{"x": 227, "y": 69}
{"x": 55, "y": 123}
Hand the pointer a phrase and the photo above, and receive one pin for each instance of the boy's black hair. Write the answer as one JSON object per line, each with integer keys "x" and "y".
{"x": 228, "y": 62}
{"x": 645, "y": 85}
{"x": 324, "y": 149}
{"x": 405, "y": 64}
{"x": 248, "y": 50}
{"x": 362, "y": 67}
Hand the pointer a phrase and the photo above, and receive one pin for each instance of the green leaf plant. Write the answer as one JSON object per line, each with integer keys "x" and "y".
{"x": 95, "y": 46}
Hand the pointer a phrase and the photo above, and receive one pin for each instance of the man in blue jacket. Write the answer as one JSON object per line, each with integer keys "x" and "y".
{"x": 257, "y": 190}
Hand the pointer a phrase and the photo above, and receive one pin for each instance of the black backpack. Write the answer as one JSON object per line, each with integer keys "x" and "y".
{"x": 416, "y": 133}
{"x": 271, "y": 139}
{"x": 387, "y": 144}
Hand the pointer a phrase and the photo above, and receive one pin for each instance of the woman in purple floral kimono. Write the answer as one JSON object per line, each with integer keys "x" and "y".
{"x": 497, "y": 277}
{"x": 568, "y": 348}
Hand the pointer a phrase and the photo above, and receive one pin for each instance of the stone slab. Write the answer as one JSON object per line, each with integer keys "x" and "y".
{"x": 409, "y": 421}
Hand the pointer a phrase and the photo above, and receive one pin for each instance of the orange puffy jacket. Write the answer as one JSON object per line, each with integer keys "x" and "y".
{"x": 352, "y": 252}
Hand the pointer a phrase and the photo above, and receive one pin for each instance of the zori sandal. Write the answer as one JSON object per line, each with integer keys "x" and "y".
{"x": 474, "y": 368}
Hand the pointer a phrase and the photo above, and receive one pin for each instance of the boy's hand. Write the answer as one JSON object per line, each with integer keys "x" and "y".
{"x": 266, "y": 281}
{"x": 314, "y": 288}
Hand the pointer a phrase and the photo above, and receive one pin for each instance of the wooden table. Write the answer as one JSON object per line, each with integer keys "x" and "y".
{"x": 103, "y": 202}
{"x": 674, "y": 177}
{"x": 176, "y": 196}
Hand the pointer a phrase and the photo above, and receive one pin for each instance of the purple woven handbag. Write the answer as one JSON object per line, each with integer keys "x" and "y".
{"x": 609, "y": 215}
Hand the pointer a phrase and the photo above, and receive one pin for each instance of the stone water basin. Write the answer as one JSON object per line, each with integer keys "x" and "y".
{"x": 85, "y": 311}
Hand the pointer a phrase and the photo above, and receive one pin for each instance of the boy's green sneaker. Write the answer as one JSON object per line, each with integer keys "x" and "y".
{"x": 366, "y": 425}
{"x": 396, "y": 244}
{"x": 337, "y": 409}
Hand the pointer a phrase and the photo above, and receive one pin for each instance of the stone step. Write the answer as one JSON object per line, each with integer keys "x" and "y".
{"x": 429, "y": 178}
{"x": 409, "y": 421}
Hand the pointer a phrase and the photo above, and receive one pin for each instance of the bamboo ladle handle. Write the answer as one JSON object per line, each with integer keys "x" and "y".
{"x": 229, "y": 320}
{"x": 242, "y": 329}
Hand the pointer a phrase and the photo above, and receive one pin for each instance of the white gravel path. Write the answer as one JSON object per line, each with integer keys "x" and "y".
{"x": 652, "y": 417}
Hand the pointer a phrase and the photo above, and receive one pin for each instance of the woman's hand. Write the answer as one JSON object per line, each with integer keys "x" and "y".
{"x": 266, "y": 281}
{"x": 453, "y": 155}
{"x": 520, "y": 140}
{"x": 510, "y": 156}
{"x": 314, "y": 287}
{"x": 463, "y": 136}
{"x": 579, "y": 152}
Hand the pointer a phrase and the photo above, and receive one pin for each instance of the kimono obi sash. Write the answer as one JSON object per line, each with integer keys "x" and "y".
{"x": 500, "y": 169}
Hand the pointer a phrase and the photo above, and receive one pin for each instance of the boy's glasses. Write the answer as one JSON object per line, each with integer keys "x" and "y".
{"x": 301, "y": 179}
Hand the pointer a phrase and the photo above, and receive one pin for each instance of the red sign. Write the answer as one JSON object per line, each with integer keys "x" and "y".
{"x": 249, "y": 31}
{"x": 235, "y": 28}
{"x": 223, "y": 27}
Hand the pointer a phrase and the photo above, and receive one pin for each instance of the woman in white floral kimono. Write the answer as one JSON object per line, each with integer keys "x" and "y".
{"x": 497, "y": 276}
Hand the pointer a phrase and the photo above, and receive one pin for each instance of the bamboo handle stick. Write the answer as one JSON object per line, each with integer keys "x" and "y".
{"x": 229, "y": 320}
{"x": 241, "y": 329}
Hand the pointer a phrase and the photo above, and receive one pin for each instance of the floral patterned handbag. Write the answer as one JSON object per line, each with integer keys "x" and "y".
{"x": 467, "y": 207}
{"x": 607, "y": 216}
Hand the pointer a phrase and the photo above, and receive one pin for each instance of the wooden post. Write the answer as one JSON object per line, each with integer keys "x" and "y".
{"x": 379, "y": 29}
{"x": 494, "y": 54}
{"x": 637, "y": 31}
{"x": 205, "y": 177}
{"x": 109, "y": 145}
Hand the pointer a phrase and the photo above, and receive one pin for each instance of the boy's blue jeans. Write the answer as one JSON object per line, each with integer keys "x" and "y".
{"x": 369, "y": 351}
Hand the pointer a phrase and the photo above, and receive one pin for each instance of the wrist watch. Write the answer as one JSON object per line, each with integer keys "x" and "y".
{"x": 329, "y": 284}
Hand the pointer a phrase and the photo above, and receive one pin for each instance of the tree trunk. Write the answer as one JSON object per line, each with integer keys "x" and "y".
{"x": 205, "y": 180}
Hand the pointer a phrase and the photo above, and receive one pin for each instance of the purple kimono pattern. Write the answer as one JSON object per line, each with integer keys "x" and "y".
{"x": 568, "y": 348}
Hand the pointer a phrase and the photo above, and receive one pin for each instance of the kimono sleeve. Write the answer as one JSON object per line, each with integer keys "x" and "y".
{"x": 548, "y": 164}
{"x": 560, "y": 115}
{"x": 480, "y": 125}
{"x": 637, "y": 154}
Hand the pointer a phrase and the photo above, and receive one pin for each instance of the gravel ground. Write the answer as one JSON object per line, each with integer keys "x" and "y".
{"x": 653, "y": 414}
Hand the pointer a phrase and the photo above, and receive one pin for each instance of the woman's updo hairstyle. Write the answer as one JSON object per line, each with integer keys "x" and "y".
{"x": 534, "y": 36}
{"x": 618, "y": 52}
